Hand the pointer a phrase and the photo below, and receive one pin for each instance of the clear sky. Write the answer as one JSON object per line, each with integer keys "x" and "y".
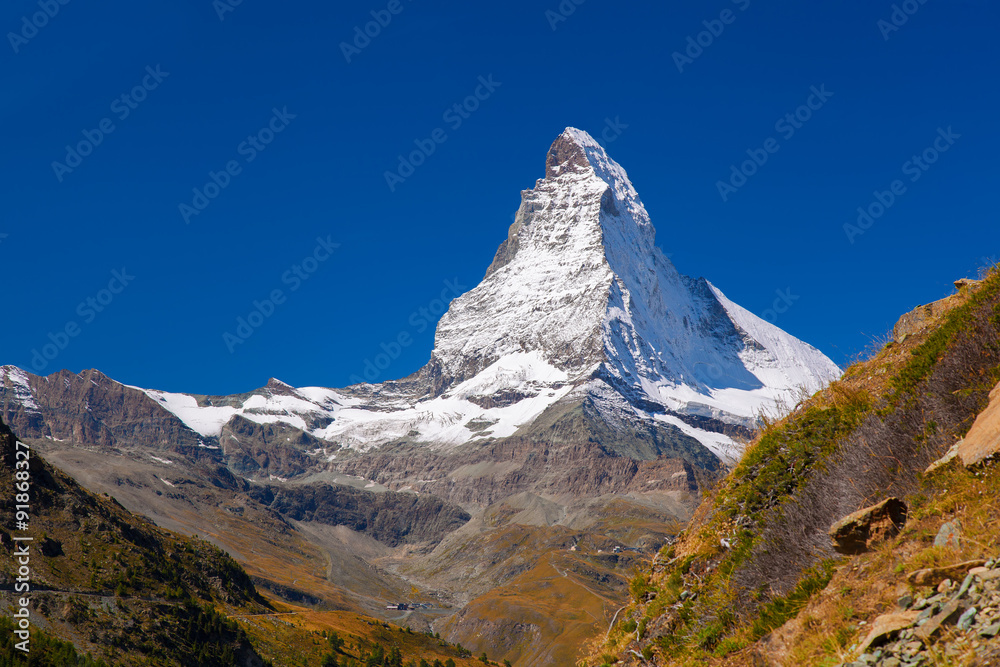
{"x": 308, "y": 116}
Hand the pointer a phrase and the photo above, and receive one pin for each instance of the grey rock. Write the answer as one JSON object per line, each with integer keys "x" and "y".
{"x": 965, "y": 585}
{"x": 905, "y": 601}
{"x": 949, "y": 535}
{"x": 930, "y": 628}
{"x": 990, "y": 631}
{"x": 966, "y": 620}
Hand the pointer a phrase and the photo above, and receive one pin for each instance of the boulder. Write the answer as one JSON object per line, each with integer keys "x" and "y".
{"x": 860, "y": 531}
{"x": 983, "y": 439}
{"x": 886, "y": 626}
{"x": 949, "y": 536}
{"x": 921, "y": 318}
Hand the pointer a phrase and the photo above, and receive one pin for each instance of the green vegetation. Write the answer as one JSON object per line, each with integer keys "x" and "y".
{"x": 774, "y": 614}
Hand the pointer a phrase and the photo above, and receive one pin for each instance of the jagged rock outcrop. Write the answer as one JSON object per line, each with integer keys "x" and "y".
{"x": 860, "y": 531}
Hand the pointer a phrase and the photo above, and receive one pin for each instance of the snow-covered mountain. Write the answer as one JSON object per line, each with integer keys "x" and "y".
{"x": 578, "y": 306}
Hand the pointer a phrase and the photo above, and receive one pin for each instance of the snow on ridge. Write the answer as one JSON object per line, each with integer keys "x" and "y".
{"x": 441, "y": 421}
{"x": 801, "y": 365}
{"x": 445, "y": 420}
{"x": 518, "y": 370}
{"x": 21, "y": 387}
{"x": 206, "y": 421}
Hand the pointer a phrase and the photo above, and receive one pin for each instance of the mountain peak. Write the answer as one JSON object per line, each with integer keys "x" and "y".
{"x": 580, "y": 306}
{"x": 569, "y": 153}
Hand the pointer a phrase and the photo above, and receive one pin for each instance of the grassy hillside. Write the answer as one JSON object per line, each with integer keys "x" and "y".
{"x": 116, "y": 586}
{"x": 757, "y": 554}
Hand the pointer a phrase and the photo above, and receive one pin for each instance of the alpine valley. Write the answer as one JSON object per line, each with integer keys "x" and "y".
{"x": 576, "y": 404}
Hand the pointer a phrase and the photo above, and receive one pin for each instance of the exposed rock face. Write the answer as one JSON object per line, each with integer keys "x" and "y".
{"x": 919, "y": 319}
{"x": 90, "y": 409}
{"x": 983, "y": 439}
{"x": 860, "y": 531}
{"x": 390, "y": 518}
{"x": 277, "y": 449}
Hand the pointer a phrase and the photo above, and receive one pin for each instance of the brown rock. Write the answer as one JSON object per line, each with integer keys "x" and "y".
{"x": 858, "y": 532}
{"x": 887, "y": 625}
{"x": 920, "y": 318}
{"x": 983, "y": 439}
{"x": 933, "y": 576}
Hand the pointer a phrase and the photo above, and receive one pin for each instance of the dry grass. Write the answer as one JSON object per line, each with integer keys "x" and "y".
{"x": 294, "y": 636}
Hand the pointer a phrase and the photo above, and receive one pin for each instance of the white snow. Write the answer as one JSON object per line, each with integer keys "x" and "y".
{"x": 206, "y": 421}
{"x": 22, "y": 389}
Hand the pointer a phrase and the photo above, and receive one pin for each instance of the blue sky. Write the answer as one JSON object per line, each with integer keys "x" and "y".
{"x": 208, "y": 86}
